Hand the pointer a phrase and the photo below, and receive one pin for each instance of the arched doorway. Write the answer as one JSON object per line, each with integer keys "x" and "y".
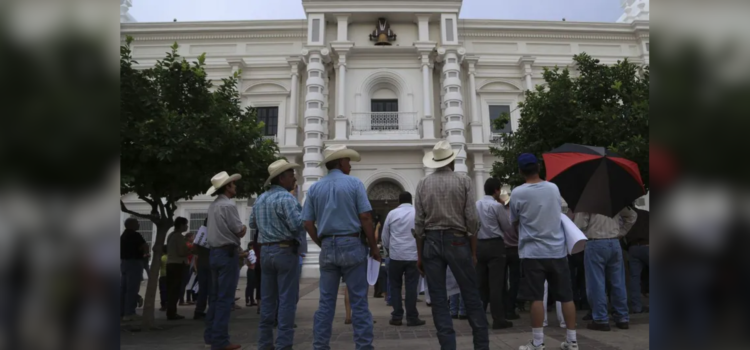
{"x": 383, "y": 196}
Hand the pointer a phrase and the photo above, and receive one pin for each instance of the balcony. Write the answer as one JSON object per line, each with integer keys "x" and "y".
{"x": 385, "y": 126}
{"x": 271, "y": 137}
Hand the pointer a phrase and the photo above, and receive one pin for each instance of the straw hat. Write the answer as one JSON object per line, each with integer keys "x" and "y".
{"x": 279, "y": 167}
{"x": 221, "y": 179}
{"x": 339, "y": 152}
{"x": 441, "y": 155}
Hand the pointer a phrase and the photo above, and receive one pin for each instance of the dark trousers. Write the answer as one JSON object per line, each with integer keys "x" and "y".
{"x": 250, "y": 285}
{"x": 491, "y": 275}
{"x": 163, "y": 291}
{"x": 578, "y": 279}
{"x": 398, "y": 270}
{"x": 131, "y": 275}
{"x": 443, "y": 249}
{"x": 174, "y": 281}
{"x": 513, "y": 263}
{"x": 204, "y": 286}
{"x": 183, "y": 287}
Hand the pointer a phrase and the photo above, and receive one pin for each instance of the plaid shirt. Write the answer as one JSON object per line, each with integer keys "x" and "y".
{"x": 277, "y": 216}
{"x": 445, "y": 201}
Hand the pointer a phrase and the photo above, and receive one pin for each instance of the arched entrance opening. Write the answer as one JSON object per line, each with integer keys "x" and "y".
{"x": 383, "y": 196}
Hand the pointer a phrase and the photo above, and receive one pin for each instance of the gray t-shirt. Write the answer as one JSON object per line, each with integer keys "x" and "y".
{"x": 537, "y": 208}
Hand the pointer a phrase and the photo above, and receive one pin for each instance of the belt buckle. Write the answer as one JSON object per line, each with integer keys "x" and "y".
{"x": 457, "y": 235}
{"x": 284, "y": 245}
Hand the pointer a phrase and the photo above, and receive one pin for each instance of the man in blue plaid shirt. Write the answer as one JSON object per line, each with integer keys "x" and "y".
{"x": 277, "y": 215}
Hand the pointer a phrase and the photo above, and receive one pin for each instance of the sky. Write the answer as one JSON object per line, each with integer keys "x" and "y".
{"x": 231, "y": 10}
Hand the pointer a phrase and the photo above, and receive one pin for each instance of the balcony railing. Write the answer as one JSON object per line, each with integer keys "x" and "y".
{"x": 271, "y": 137}
{"x": 385, "y": 123}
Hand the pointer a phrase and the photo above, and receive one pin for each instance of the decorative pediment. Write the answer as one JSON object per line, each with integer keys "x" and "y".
{"x": 266, "y": 88}
{"x": 499, "y": 85}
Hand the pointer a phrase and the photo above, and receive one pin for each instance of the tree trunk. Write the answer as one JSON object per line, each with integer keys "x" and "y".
{"x": 153, "y": 273}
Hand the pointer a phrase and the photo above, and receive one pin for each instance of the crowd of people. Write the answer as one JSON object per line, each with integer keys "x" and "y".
{"x": 467, "y": 255}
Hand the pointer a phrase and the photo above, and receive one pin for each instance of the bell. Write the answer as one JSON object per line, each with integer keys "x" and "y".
{"x": 382, "y": 40}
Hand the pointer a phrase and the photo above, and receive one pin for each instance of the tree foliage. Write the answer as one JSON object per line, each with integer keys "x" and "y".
{"x": 177, "y": 130}
{"x": 604, "y": 105}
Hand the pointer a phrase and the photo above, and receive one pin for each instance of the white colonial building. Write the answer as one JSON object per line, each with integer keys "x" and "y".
{"x": 387, "y": 78}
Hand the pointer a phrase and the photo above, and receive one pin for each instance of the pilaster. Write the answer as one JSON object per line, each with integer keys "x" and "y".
{"x": 316, "y": 116}
{"x": 476, "y": 121}
{"x": 452, "y": 103}
{"x": 292, "y": 126}
{"x": 526, "y": 63}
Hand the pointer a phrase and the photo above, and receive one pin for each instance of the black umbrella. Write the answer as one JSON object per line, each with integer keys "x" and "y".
{"x": 592, "y": 179}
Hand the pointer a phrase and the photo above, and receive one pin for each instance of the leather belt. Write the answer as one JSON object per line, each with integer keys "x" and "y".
{"x": 290, "y": 242}
{"x": 491, "y": 239}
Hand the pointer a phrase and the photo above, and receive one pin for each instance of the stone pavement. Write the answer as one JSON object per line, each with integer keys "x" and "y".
{"x": 188, "y": 334}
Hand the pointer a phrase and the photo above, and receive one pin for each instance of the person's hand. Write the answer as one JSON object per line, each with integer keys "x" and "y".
{"x": 419, "y": 267}
{"x": 375, "y": 254}
{"x": 244, "y": 231}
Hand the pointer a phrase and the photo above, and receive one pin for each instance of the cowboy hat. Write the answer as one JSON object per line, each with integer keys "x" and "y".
{"x": 339, "y": 152}
{"x": 441, "y": 155}
{"x": 279, "y": 167}
{"x": 220, "y": 180}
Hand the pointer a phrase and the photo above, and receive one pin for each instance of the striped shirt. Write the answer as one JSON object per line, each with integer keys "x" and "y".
{"x": 445, "y": 201}
{"x": 335, "y": 202}
{"x": 277, "y": 216}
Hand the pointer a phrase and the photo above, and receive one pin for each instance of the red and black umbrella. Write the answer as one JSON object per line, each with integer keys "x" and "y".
{"x": 592, "y": 179}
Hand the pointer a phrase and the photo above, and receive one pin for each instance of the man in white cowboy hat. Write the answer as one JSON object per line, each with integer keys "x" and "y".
{"x": 338, "y": 205}
{"x": 225, "y": 230}
{"x": 277, "y": 215}
{"x": 446, "y": 226}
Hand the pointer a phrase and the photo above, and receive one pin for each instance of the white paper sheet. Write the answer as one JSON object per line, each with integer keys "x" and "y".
{"x": 575, "y": 240}
{"x": 373, "y": 271}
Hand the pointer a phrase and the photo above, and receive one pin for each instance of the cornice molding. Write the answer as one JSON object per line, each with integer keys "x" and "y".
{"x": 179, "y": 37}
{"x": 488, "y": 34}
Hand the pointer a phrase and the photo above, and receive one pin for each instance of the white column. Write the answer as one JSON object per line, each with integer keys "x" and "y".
{"x": 292, "y": 118}
{"x": 315, "y": 118}
{"x": 428, "y": 121}
{"x": 526, "y": 63}
{"x": 479, "y": 174}
{"x": 476, "y": 121}
{"x": 341, "y": 120}
{"x": 453, "y": 111}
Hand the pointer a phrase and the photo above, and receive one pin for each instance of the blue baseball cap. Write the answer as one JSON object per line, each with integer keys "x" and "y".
{"x": 527, "y": 159}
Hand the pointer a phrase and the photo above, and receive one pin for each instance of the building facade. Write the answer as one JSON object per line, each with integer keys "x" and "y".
{"x": 387, "y": 78}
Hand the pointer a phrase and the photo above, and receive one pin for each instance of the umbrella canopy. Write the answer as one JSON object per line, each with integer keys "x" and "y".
{"x": 592, "y": 179}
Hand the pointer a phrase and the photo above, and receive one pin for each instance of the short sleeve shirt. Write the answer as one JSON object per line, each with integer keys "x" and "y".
{"x": 130, "y": 245}
{"x": 335, "y": 202}
{"x": 538, "y": 208}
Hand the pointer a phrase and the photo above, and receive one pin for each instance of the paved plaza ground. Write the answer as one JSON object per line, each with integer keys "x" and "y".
{"x": 243, "y": 328}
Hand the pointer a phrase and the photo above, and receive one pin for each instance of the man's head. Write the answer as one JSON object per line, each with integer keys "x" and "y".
{"x": 404, "y": 198}
{"x": 180, "y": 224}
{"x": 229, "y": 190}
{"x": 285, "y": 180}
{"x": 132, "y": 224}
{"x": 492, "y": 187}
{"x": 342, "y": 164}
{"x": 528, "y": 166}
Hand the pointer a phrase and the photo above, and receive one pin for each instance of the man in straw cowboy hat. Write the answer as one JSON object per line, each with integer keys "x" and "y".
{"x": 446, "y": 226}
{"x": 338, "y": 205}
{"x": 224, "y": 233}
{"x": 277, "y": 216}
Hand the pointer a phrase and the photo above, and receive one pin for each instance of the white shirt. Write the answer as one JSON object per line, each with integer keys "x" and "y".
{"x": 251, "y": 257}
{"x": 397, "y": 236}
{"x": 201, "y": 238}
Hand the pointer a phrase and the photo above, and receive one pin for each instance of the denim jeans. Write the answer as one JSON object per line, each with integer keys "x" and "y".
{"x": 638, "y": 255}
{"x": 224, "y": 269}
{"x": 603, "y": 261}
{"x": 131, "y": 271}
{"x": 343, "y": 257}
{"x": 442, "y": 250}
{"x": 280, "y": 283}
{"x": 204, "y": 287}
{"x": 457, "y": 305}
{"x": 398, "y": 271}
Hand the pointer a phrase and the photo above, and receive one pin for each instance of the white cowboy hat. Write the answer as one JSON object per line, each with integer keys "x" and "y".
{"x": 441, "y": 155}
{"x": 279, "y": 167}
{"x": 221, "y": 179}
{"x": 339, "y": 152}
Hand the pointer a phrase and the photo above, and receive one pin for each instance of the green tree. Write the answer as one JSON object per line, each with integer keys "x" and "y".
{"x": 177, "y": 130}
{"x": 605, "y": 105}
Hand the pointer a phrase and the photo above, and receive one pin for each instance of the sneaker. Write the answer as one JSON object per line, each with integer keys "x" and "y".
{"x": 566, "y": 345}
{"x": 603, "y": 327}
{"x": 530, "y": 346}
{"x": 416, "y": 323}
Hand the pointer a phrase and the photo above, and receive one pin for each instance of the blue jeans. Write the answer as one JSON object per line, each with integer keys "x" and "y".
{"x": 343, "y": 257}
{"x": 224, "y": 269}
{"x": 204, "y": 287}
{"x": 131, "y": 271}
{"x": 279, "y": 288}
{"x": 457, "y": 305}
{"x": 638, "y": 259}
{"x": 399, "y": 270}
{"x": 603, "y": 261}
{"x": 442, "y": 250}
